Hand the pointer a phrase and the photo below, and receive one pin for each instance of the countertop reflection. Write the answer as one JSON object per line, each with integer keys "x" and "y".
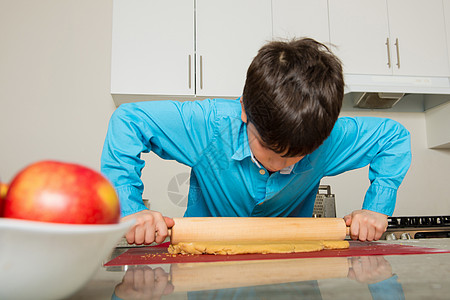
{"x": 366, "y": 277}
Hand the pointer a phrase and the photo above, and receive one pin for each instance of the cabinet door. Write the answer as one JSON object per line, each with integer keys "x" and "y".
{"x": 300, "y": 18}
{"x": 152, "y": 46}
{"x": 447, "y": 25}
{"x": 229, "y": 34}
{"x": 419, "y": 28}
{"x": 359, "y": 30}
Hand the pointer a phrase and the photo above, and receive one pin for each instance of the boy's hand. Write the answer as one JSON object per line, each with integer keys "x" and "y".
{"x": 366, "y": 225}
{"x": 369, "y": 269}
{"x": 150, "y": 227}
{"x": 143, "y": 282}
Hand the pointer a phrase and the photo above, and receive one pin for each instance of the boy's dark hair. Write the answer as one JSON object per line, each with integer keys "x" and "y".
{"x": 293, "y": 95}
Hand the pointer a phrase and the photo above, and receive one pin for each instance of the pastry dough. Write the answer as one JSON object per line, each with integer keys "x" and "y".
{"x": 222, "y": 248}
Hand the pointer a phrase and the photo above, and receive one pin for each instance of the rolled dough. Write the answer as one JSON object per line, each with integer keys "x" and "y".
{"x": 221, "y": 248}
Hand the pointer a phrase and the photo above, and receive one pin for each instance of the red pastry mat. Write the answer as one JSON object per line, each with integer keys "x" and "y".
{"x": 159, "y": 255}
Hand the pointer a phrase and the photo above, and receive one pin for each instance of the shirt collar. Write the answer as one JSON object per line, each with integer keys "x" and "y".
{"x": 302, "y": 166}
{"x": 243, "y": 151}
{"x": 288, "y": 169}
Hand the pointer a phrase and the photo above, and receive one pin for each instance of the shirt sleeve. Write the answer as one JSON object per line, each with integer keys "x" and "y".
{"x": 387, "y": 289}
{"x": 383, "y": 144}
{"x": 163, "y": 127}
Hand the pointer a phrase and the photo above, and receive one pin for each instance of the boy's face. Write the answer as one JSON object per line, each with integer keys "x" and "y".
{"x": 272, "y": 161}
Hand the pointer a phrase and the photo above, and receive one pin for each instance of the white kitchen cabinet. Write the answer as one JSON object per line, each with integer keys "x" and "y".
{"x": 153, "y": 47}
{"x": 419, "y": 26}
{"x": 359, "y": 30}
{"x": 229, "y": 34}
{"x": 446, "y": 4}
{"x": 159, "y": 50}
{"x": 182, "y": 49}
{"x": 385, "y": 37}
{"x": 300, "y": 18}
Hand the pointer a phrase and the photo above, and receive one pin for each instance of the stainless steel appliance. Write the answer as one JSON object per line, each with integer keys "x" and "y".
{"x": 423, "y": 227}
{"x": 325, "y": 206}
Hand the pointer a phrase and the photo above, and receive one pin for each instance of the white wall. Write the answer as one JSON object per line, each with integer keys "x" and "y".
{"x": 54, "y": 81}
{"x": 55, "y": 104}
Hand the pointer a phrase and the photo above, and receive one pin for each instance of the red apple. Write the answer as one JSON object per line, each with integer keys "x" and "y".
{"x": 3, "y": 191}
{"x": 59, "y": 192}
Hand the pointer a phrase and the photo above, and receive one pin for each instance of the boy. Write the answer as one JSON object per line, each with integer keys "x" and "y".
{"x": 265, "y": 154}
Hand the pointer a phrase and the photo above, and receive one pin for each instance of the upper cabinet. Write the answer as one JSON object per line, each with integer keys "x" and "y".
{"x": 385, "y": 37}
{"x": 178, "y": 49}
{"x": 418, "y": 34}
{"x": 447, "y": 24}
{"x": 186, "y": 48}
{"x": 229, "y": 34}
{"x": 172, "y": 48}
{"x": 359, "y": 30}
{"x": 300, "y": 18}
{"x": 153, "y": 47}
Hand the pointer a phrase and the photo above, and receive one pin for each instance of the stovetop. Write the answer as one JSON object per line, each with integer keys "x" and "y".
{"x": 421, "y": 227}
{"x": 418, "y": 222}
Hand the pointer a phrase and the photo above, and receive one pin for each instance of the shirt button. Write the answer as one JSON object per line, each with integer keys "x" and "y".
{"x": 262, "y": 172}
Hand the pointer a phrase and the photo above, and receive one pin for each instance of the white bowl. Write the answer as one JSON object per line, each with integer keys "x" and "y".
{"x": 51, "y": 261}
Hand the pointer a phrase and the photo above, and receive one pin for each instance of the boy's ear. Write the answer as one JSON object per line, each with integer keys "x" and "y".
{"x": 243, "y": 114}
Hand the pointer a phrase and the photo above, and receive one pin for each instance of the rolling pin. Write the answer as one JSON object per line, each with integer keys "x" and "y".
{"x": 187, "y": 277}
{"x": 240, "y": 229}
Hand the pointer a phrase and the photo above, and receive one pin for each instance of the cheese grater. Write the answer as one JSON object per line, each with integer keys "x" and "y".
{"x": 325, "y": 206}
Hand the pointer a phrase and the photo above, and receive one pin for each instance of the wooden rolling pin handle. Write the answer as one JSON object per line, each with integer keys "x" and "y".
{"x": 347, "y": 231}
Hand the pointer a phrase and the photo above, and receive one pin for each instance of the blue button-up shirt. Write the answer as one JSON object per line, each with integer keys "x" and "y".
{"x": 210, "y": 137}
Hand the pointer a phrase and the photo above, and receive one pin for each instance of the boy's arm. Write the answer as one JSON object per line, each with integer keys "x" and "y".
{"x": 167, "y": 129}
{"x": 384, "y": 145}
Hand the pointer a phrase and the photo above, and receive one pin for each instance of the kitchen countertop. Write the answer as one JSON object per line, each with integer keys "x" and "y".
{"x": 424, "y": 276}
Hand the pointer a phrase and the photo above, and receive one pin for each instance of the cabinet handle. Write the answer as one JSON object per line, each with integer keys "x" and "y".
{"x": 398, "y": 53}
{"x": 190, "y": 72}
{"x": 201, "y": 72}
{"x": 388, "y": 53}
